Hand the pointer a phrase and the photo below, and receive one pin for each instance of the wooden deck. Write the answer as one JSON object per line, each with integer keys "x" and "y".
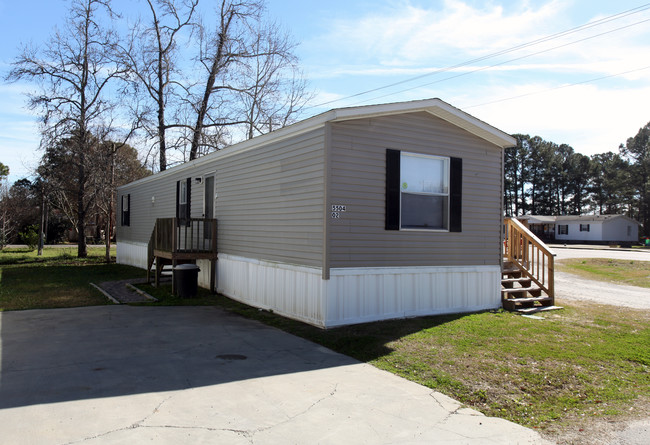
{"x": 175, "y": 241}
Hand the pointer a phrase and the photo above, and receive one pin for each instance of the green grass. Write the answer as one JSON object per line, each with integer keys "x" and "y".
{"x": 57, "y": 279}
{"x": 633, "y": 273}
{"x": 577, "y": 365}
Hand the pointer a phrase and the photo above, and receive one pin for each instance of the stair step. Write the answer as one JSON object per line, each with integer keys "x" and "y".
{"x": 530, "y": 299}
{"x": 520, "y": 290}
{"x": 513, "y": 304}
{"x": 510, "y": 282}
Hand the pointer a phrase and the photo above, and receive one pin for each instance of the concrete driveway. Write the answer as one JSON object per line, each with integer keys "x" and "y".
{"x": 190, "y": 375}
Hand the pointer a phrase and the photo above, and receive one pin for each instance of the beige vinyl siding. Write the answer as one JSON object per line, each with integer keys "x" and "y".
{"x": 358, "y": 174}
{"x": 162, "y": 187}
{"x": 270, "y": 201}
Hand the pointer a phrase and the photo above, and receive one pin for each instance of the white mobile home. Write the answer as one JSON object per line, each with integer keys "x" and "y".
{"x": 585, "y": 228}
{"x": 354, "y": 215}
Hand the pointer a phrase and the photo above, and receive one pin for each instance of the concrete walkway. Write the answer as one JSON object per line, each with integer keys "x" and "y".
{"x": 187, "y": 375}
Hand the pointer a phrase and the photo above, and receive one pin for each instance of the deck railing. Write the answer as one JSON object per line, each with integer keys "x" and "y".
{"x": 196, "y": 235}
{"x": 186, "y": 240}
{"x": 528, "y": 253}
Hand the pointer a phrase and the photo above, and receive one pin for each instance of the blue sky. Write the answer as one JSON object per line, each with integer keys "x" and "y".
{"x": 589, "y": 88}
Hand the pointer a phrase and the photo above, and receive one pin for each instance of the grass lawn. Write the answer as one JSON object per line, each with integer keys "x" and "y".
{"x": 57, "y": 279}
{"x": 633, "y": 273}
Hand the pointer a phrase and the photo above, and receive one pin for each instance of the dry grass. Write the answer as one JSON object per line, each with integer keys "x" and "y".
{"x": 633, "y": 273}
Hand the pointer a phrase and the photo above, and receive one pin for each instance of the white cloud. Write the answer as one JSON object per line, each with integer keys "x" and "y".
{"x": 408, "y": 35}
{"x": 381, "y": 48}
{"x": 590, "y": 118}
{"x": 405, "y": 37}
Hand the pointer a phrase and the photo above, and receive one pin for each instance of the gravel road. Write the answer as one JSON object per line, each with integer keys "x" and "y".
{"x": 572, "y": 287}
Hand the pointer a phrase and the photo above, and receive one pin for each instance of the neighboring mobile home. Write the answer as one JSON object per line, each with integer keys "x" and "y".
{"x": 354, "y": 215}
{"x": 585, "y": 228}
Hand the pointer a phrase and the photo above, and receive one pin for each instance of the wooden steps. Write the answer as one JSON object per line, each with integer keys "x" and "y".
{"x": 518, "y": 292}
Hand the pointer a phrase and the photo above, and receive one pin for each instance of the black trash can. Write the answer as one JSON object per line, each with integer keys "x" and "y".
{"x": 186, "y": 277}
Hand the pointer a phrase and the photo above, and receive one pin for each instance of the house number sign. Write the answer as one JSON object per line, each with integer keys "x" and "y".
{"x": 337, "y": 209}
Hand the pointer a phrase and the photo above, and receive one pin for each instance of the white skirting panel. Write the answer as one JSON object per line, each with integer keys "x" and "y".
{"x": 293, "y": 291}
{"x": 204, "y": 273}
{"x": 358, "y": 295}
{"x": 369, "y": 294}
{"x": 132, "y": 254}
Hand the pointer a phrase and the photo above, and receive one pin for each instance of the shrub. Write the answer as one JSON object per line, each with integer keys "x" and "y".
{"x": 30, "y": 236}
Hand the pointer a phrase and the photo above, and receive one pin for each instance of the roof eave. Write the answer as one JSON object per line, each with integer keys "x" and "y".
{"x": 434, "y": 106}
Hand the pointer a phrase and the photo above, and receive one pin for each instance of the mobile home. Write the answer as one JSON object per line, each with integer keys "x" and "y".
{"x": 354, "y": 215}
{"x": 590, "y": 229}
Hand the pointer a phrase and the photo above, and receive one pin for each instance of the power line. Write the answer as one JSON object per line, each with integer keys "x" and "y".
{"x": 550, "y": 37}
{"x": 596, "y": 79}
{"x": 505, "y": 62}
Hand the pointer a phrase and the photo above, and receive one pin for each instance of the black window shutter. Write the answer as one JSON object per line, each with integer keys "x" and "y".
{"x": 187, "y": 201}
{"x": 392, "y": 189}
{"x": 455, "y": 195}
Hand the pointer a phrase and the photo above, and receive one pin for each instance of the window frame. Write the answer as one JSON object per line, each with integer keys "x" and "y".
{"x": 392, "y": 202}
{"x": 182, "y": 193}
{"x": 126, "y": 210}
{"x": 584, "y": 227}
{"x": 562, "y": 226}
{"x": 183, "y": 201}
{"x": 446, "y": 194}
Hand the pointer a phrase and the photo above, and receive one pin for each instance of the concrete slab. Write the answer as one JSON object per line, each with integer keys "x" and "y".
{"x": 175, "y": 375}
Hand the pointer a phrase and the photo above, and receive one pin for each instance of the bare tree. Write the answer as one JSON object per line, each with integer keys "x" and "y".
{"x": 272, "y": 87}
{"x": 152, "y": 55}
{"x": 74, "y": 71}
{"x": 252, "y": 81}
{"x": 116, "y": 163}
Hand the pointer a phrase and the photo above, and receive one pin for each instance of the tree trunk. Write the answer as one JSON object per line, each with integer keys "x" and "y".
{"x": 226, "y": 19}
{"x": 41, "y": 229}
{"x": 82, "y": 248}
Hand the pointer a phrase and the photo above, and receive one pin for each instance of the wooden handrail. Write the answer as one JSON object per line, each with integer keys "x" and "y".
{"x": 195, "y": 235}
{"x": 535, "y": 260}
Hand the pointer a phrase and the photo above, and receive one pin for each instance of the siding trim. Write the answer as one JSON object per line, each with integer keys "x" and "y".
{"x": 327, "y": 178}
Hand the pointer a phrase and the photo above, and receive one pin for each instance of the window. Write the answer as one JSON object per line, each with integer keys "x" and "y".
{"x": 183, "y": 197}
{"x": 563, "y": 229}
{"x": 424, "y": 189}
{"x": 423, "y": 192}
{"x": 126, "y": 210}
{"x": 584, "y": 227}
